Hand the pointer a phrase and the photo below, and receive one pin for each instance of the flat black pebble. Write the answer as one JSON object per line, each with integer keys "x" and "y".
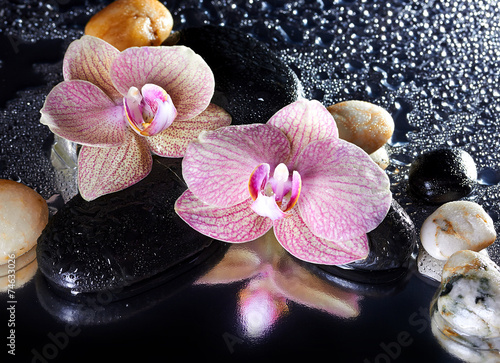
{"x": 442, "y": 175}
{"x": 252, "y": 83}
{"x": 119, "y": 239}
{"x": 392, "y": 244}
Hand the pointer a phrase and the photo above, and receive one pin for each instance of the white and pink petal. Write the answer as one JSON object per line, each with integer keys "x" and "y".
{"x": 89, "y": 59}
{"x": 182, "y": 73}
{"x": 303, "y": 122}
{"x": 235, "y": 224}
{"x": 217, "y": 166}
{"x": 174, "y": 140}
{"x": 108, "y": 170}
{"x": 344, "y": 193}
{"x": 295, "y": 237}
{"x": 81, "y": 112}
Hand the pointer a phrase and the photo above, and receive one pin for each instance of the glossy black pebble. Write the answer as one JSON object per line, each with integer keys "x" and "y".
{"x": 121, "y": 238}
{"x": 392, "y": 244}
{"x": 442, "y": 175}
{"x": 251, "y": 82}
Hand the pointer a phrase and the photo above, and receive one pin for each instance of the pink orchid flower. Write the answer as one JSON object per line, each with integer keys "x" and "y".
{"x": 320, "y": 193}
{"x": 123, "y": 106}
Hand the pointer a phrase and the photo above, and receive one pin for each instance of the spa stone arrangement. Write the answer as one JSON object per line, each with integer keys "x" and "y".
{"x": 358, "y": 160}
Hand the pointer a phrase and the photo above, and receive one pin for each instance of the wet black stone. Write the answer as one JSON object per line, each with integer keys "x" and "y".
{"x": 122, "y": 238}
{"x": 392, "y": 245}
{"x": 441, "y": 176}
{"x": 251, "y": 82}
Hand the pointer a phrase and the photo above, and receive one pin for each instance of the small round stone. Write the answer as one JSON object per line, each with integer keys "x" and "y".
{"x": 131, "y": 23}
{"x": 442, "y": 175}
{"x": 23, "y": 216}
{"x": 457, "y": 226}
{"x": 364, "y": 124}
{"x": 381, "y": 157}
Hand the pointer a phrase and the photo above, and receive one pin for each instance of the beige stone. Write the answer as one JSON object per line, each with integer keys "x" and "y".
{"x": 364, "y": 124}
{"x": 132, "y": 23}
{"x": 23, "y": 216}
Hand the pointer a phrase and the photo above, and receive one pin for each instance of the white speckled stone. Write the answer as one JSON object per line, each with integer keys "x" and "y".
{"x": 363, "y": 123}
{"x": 455, "y": 226}
{"x": 466, "y": 307}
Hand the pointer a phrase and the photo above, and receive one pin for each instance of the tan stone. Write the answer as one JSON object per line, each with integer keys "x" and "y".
{"x": 132, "y": 23}
{"x": 364, "y": 124}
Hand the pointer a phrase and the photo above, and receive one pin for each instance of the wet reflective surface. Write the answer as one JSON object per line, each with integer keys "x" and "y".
{"x": 432, "y": 64}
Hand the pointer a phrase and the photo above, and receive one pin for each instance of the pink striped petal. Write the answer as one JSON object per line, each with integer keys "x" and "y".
{"x": 295, "y": 237}
{"x": 178, "y": 70}
{"x": 81, "y": 112}
{"x": 234, "y": 224}
{"x": 89, "y": 59}
{"x": 107, "y": 170}
{"x": 303, "y": 122}
{"x": 344, "y": 193}
{"x": 218, "y": 165}
{"x": 174, "y": 140}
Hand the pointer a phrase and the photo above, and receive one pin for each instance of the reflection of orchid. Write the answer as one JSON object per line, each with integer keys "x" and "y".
{"x": 121, "y": 106}
{"x": 274, "y": 278}
{"x": 321, "y": 194}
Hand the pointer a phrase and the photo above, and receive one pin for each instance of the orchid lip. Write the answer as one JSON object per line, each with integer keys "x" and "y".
{"x": 149, "y": 111}
{"x": 274, "y": 196}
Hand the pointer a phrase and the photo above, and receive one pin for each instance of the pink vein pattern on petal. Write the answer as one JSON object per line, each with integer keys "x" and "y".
{"x": 344, "y": 193}
{"x": 178, "y": 70}
{"x": 295, "y": 237}
{"x": 303, "y": 122}
{"x": 81, "y": 112}
{"x": 217, "y": 166}
{"x": 233, "y": 224}
{"x": 89, "y": 59}
{"x": 107, "y": 170}
{"x": 174, "y": 140}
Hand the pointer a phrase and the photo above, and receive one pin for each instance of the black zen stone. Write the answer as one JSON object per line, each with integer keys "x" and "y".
{"x": 122, "y": 238}
{"x": 392, "y": 244}
{"x": 442, "y": 175}
{"x": 251, "y": 82}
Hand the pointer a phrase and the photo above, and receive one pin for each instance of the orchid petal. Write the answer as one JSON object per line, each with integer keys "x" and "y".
{"x": 173, "y": 141}
{"x": 89, "y": 59}
{"x": 266, "y": 207}
{"x": 295, "y": 237}
{"x": 107, "y": 170}
{"x": 81, "y": 112}
{"x": 235, "y": 224}
{"x": 344, "y": 193}
{"x": 258, "y": 179}
{"x": 218, "y": 164}
{"x": 303, "y": 122}
{"x": 183, "y": 74}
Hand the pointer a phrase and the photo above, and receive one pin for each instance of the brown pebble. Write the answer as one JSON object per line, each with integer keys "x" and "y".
{"x": 23, "y": 216}
{"x": 131, "y": 23}
{"x": 364, "y": 124}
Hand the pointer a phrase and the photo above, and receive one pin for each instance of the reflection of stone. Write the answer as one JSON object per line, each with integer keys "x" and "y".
{"x": 64, "y": 159}
{"x": 25, "y": 268}
{"x": 273, "y": 278}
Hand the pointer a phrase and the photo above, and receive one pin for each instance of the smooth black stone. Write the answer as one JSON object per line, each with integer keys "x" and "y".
{"x": 441, "y": 176}
{"x": 251, "y": 82}
{"x": 121, "y": 303}
{"x": 392, "y": 245}
{"x": 121, "y": 238}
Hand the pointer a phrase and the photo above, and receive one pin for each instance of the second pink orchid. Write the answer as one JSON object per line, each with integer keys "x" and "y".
{"x": 321, "y": 194}
{"x": 123, "y": 106}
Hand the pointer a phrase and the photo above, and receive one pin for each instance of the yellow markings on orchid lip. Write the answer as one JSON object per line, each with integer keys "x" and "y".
{"x": 258, "y": 178}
